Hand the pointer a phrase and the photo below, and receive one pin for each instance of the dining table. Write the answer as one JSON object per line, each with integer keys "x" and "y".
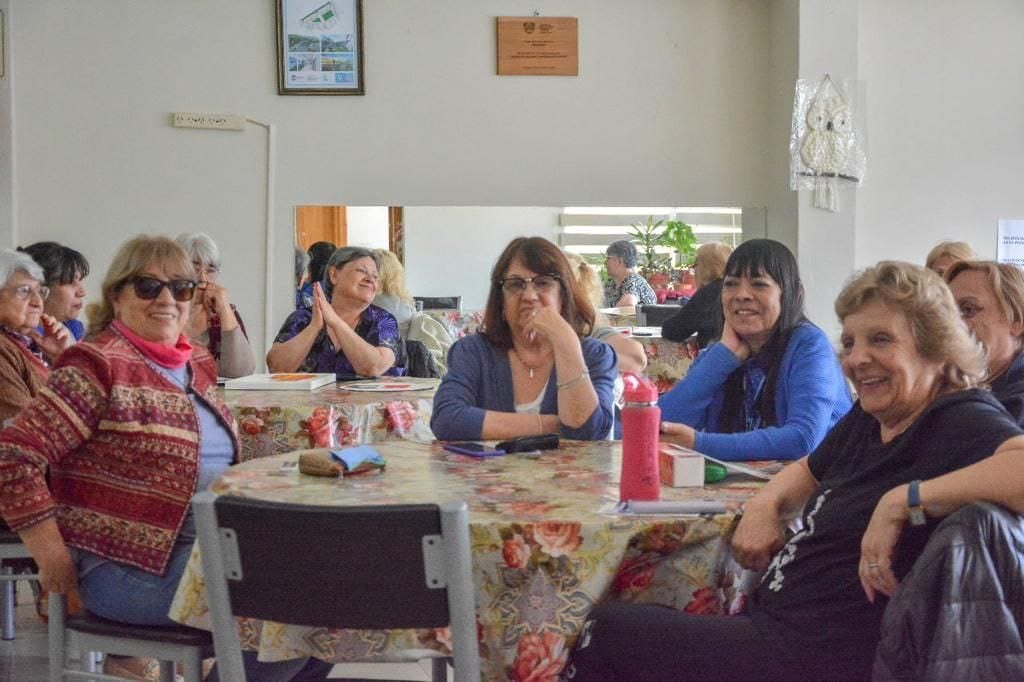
{"x": 272, "y": 422}
{"x": 548, "y": 542}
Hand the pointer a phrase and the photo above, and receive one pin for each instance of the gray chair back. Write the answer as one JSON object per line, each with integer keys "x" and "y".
{"x": 327, "y": 566}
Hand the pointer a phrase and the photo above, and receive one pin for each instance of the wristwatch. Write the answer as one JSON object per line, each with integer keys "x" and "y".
{"x": 917, "y": 517}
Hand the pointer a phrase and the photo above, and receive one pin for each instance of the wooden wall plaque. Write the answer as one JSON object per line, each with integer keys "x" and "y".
{"x": 538, "y": 46}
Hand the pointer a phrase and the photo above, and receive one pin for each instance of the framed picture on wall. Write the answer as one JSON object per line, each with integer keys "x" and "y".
{"x": 320, "y": 47}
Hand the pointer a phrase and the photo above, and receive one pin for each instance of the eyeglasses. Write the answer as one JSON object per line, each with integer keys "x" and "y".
{"x": 210, "y": 271}
{"x": 148, "y": 288}
{"x": 24, "y": 291}
{"x": 542, "y": 284}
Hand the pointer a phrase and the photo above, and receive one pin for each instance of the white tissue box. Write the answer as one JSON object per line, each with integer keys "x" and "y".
{"x": 681, "y": 468}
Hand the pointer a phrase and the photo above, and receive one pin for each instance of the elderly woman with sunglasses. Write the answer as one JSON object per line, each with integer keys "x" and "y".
{"x": 532, "y": 369}
{"x": 29, "y": 338}
{"x": 214, "y": 321}
{"x": 97, "y": 473}
{"x": 343, "y": 332}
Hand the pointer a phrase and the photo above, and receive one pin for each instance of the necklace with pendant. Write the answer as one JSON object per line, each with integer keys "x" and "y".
{"x": 533, "y": 368}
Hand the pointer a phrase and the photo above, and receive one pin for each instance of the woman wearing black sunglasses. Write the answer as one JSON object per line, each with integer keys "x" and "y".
{"x": 532, "y": 369}
{"x": 129, "y": 428}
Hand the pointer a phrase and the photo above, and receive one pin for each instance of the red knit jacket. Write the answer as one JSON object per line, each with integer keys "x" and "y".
{"x": 120, "y": 443}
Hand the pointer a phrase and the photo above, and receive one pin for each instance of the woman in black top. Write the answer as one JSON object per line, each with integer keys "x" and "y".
{"x": 920, "y": 443}
{"x": 702, "y": 315}
{"x": 991, "y": 300}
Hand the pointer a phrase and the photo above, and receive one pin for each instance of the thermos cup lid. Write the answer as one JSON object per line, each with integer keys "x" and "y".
{"x": 638, "y": 389}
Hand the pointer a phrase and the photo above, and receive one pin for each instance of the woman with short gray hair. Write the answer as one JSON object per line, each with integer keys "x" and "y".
{"x": 25, "y": 353}
{"x": 343, "y": 332}
{"x": 214, "y": 321}
{"x": 624, "y": 287}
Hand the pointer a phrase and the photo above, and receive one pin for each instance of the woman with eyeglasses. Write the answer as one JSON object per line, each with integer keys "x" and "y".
{"x": 624, "y": 287}
{"x": 214, "y": 321}
{"x": 29, "y": 338}
{"x": 64, "y": 269}
{"x": 100, "y": 468}
{"x": 532, "y": 369}
{"x": 343, "y": 332}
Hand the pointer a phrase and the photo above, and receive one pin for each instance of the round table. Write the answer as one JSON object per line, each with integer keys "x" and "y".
{"x": 546, "y": 548}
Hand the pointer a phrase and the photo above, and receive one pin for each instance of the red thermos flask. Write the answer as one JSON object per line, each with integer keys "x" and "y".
{"x": 641, "y": 418}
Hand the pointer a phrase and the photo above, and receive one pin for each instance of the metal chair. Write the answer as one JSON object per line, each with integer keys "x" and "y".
{"x": 13, "y": 555}
{"x": 90, "y": 633}
{"x": 397, "y": 566}
{"x": 440, "y": 302}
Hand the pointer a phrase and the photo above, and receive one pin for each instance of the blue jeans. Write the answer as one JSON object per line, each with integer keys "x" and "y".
{"x": 131, "y": 595}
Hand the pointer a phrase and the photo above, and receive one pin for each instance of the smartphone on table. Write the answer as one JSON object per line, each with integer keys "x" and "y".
{"x": 547, "y": 441}
{"x": 473, "y": 448}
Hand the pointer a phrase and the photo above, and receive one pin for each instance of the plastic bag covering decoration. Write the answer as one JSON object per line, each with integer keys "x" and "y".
{"x": 826, "y": 145}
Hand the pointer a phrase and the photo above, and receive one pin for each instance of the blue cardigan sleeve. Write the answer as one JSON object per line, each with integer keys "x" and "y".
{"x": 603, "y": 367}
{"x": 457, "y": 412}
{"x": 699, "y": 394}
{"x": 809, "y": 391}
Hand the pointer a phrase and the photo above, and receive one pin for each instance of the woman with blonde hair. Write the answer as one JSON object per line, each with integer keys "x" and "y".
{"x": 702, "y": 314}
{"x": 100, "y": 469}
{"x": 944, "y": 254}
{"x": 991, "y": 300}
{"x": 392, "y": 295}
{"x": 921, "y": 442}
{"x": 631, "y": 355}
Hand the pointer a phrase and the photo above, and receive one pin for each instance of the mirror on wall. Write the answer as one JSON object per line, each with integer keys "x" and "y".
{"x": 450, "y": 250}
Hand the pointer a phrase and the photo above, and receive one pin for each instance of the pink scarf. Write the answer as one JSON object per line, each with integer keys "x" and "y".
{"x": 171, "y": 357}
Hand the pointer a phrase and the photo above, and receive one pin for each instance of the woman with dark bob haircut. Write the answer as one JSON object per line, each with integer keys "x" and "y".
{"x": 771, "y": 388}
{"x": 63, "y": 271}
{"x": 532, "y": 369}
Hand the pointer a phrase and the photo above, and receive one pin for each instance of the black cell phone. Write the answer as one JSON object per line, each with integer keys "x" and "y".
{"x": 473, "y": 449}
{"x": 547, "y": 441}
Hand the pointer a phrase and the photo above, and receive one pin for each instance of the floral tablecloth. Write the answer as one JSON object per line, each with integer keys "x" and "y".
{"x": 667, "y": 361}
{"x": 546, "y": 548}
{"x": 274, "y": 422}
{"x": 458, "y": 323}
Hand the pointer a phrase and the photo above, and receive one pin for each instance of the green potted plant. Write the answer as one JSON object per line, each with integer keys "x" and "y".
{"x": 648, "y": 239}
{"x": 679, "y": 236}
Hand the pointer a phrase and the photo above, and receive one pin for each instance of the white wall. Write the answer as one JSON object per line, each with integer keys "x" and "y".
{"x": 367, "y": 226}
{"x": 672, "y": 107}
{"x": 945, "y": 125}
{"x": 450, "y": 250}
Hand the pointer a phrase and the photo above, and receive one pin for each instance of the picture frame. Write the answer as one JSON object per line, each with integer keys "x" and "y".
{"x": 320, "y": 47}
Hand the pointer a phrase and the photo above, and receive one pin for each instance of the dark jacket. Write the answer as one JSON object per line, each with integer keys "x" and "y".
{"x": 959, "y": 613}
{"x": 702, "y": 315}
{"x": 1009, "y": 389}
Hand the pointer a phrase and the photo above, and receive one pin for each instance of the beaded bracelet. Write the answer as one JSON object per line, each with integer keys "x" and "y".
{"x": 570, "y": 382}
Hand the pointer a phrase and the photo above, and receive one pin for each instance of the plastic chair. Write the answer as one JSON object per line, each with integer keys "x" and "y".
{"x": 381, "y": 567}
{"x": 440, "y": 302}
{"x": 89, "y": 633}
{"x": 11, "y": 548}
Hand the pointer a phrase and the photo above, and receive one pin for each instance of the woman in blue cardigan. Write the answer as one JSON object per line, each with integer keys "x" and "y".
{"x": 532, "y": 369}
{"x": 771, "y": 388}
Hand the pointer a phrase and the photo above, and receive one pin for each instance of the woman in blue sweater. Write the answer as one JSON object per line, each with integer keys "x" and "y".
{"x": 532, "y": 369}
{"x": 771, "y": 388}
